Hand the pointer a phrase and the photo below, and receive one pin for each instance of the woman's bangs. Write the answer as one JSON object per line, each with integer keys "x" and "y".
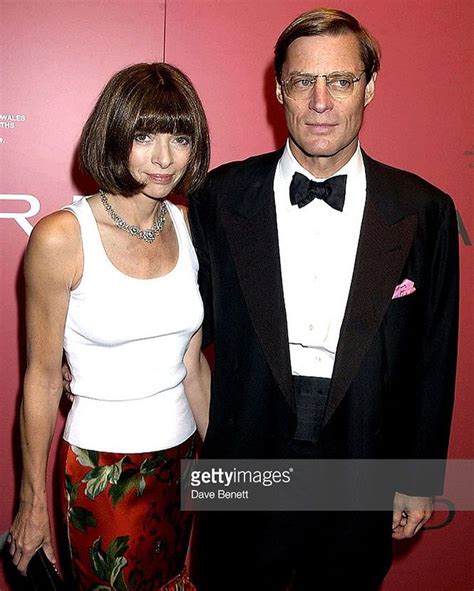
{"x": 165, "y": 112}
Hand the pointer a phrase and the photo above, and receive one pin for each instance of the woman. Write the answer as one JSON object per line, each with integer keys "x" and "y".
{"x": 112, "y": 279}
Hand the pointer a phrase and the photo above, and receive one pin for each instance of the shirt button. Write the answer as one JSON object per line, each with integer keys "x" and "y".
{"x": 311, "y": 327}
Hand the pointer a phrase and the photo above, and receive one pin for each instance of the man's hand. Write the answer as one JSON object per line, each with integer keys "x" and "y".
{"x": 409, "y": 515}
{"x": 67, "y": 377}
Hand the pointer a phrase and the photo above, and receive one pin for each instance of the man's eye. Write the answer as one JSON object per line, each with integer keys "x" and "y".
{"x": 302, "y": 83}
{"x": 340, "y": 82}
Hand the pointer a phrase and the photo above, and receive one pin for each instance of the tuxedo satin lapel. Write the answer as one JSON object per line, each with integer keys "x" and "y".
{"x": 251, "y": 230}
{"x": 382, "y": 251}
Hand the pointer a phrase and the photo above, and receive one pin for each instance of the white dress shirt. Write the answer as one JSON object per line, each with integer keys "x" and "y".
{"x": 318, "y": 246}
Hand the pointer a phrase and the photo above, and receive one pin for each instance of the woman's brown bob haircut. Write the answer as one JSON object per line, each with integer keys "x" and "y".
{"x": 150, "y": 98}
{"x": 328, "y": 21}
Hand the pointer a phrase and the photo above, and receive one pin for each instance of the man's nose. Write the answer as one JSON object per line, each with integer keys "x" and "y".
{"x": 321, "y": 100}
{"x": 162, "y": 154}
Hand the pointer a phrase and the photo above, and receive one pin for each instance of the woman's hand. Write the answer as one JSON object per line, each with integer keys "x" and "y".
{"x": 29, "y": 532}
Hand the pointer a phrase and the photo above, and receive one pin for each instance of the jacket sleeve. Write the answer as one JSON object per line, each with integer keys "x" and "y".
{"x": 200, "y": 227}
{"x": 437, "y": 369}
{"x": 435, "y": 377}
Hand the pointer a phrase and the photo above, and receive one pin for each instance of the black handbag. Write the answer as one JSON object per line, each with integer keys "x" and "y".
{"x": 43, "y": 574}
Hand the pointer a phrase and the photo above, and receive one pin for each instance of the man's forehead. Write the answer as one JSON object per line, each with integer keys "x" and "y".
{"x": 329, "y": 52}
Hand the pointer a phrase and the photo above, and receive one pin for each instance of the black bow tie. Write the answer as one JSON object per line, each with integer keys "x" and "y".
{"x": 332, "y": 191}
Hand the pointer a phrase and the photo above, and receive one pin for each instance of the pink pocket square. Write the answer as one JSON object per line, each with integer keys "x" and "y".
{"x": 405, "y": 288}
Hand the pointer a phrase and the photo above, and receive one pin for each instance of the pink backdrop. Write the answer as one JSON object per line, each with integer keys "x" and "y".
{"x": 58, "y": 54}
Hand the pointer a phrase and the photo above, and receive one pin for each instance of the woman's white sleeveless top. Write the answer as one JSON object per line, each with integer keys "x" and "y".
{"x": 125, "y": 340}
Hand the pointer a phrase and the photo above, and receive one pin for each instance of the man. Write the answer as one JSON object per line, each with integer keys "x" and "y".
{"x": 334, "y": 318}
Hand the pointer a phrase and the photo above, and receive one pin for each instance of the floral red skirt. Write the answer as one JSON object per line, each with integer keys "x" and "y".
{"x": 126, "y": 530}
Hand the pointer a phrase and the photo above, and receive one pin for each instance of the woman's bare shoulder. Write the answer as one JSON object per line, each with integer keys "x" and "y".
{"x": 54, "y": 249}
{"x": 58, "y": 230}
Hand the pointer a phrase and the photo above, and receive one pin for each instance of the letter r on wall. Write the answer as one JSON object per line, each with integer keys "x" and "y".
{"x": 21, "y": 217}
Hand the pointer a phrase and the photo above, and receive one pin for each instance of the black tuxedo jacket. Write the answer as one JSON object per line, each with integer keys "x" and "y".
{"x": 391, "y": 392}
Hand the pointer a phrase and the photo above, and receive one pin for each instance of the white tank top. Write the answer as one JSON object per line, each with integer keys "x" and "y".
{"x": 125, "y": 340}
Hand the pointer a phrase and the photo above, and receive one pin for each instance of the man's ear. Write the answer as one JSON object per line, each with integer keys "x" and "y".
{"x": 278, "y": 91}
{"x": 370, "y": 90}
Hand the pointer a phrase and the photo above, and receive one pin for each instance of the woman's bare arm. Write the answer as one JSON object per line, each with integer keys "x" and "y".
{"x": 53, "y": 264}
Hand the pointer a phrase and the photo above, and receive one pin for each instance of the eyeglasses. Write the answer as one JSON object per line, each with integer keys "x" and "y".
{"x": 340, "y": 85}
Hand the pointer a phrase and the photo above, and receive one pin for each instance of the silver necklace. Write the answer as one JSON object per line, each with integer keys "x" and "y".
{"x": 147, "y": 235}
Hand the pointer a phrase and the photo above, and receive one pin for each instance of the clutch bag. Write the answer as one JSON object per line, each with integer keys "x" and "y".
{"x": 43, "y": 574}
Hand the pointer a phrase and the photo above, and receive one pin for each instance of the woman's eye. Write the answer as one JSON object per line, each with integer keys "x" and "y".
{"x": 182, "y": 140}
{"x": 142, "y": 138}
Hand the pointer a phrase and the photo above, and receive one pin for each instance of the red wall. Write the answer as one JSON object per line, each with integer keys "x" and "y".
{"x": 58, "y": 54}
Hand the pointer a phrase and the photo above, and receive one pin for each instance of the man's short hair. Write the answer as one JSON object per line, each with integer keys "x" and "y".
{"x": 328, "y": 21}
{"x": 149, "y": 98}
